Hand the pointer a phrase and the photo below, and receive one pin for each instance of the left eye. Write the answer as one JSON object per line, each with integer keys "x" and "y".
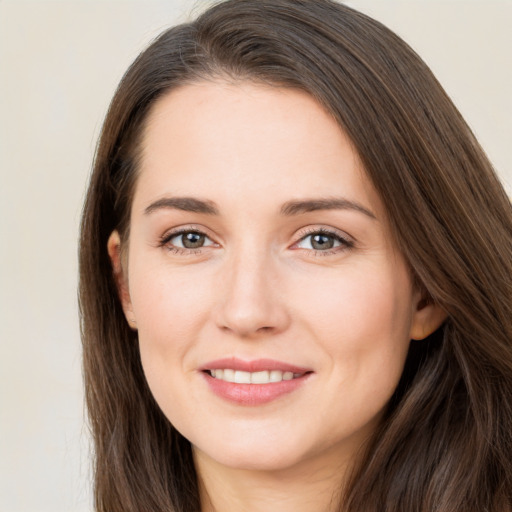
{"x": 190, "y": 240}
{"x": 321, "y": 241}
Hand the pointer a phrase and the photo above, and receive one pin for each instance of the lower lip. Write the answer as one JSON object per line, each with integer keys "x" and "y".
{"x": 253, "y": 394}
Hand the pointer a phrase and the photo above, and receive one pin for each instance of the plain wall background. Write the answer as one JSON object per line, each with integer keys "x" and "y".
{"x": 60, "y": 62}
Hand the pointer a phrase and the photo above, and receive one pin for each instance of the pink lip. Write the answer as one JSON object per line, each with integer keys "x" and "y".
{"x": 258, "y": 365}
{"x": 253, "y": 394}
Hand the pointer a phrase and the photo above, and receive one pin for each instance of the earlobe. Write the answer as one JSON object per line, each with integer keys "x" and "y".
{"x": 427, "y": 318}
{"x": 114, "y": 252}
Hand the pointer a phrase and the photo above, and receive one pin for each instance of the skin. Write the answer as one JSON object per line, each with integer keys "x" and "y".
{"x": 258, "y": 289}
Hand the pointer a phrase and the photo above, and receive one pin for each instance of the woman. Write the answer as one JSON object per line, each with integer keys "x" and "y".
{"x": 295, "y": 276}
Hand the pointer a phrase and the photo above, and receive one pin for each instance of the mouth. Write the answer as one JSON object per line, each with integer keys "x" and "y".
{"x": 253, "y": 383}
{"x": 260, "y": 377}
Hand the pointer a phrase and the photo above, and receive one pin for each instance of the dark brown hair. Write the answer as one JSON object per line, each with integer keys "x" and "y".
{"x": 446, "y": 442}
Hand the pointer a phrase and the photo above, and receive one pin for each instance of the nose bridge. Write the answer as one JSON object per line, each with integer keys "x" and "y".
{"x": 250, "y": 302}
{"x": 249, "y": 275}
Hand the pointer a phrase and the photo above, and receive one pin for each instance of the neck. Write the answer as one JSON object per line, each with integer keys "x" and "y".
{"x": 307, "y": 487}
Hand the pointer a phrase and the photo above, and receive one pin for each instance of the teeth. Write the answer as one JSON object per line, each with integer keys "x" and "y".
{"x": 264, "y": 377}
{"x": 228, "y": 375}
{"x": 260, "y": 377}
{"x": 242, "y": 377}
{"x": 276, "y": 376}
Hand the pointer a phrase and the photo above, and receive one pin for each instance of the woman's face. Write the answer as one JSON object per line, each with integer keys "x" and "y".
{"x": 259, "y": 252}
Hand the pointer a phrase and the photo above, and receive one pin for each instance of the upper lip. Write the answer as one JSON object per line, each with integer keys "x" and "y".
{"x": 256, "y": 365}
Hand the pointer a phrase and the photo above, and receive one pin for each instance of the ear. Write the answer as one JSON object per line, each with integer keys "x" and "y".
{"x": 114, "y": 251}
{"x": 427, "y": 317}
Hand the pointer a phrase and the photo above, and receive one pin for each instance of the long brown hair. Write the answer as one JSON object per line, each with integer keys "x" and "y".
{"x": 446, "y": 442}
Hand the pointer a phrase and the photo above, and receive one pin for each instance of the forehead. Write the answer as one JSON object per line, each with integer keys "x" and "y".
{"x": 246, "y": 141}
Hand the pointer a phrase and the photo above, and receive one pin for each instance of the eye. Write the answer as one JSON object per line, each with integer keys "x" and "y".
{"x": 323, "y": 241}
{"x": 187, "y": 240}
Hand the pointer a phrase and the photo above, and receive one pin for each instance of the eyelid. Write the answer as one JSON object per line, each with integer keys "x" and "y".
{"x": 190, "y": 228}
{"x": 347, "y": 242}
{"x": 327, "y": 230}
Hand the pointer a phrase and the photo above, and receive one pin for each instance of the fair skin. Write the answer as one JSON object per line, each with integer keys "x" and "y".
{"x": 281, "y": 251}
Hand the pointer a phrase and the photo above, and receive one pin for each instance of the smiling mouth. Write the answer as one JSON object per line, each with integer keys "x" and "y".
{"x": 253, "y": 383}
{"x": 262, "y": 377}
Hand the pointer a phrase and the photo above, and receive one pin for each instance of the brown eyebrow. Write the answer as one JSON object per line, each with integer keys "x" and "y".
{"x": 187, "y": 204}
{"x": 191, "y": 204}
{"x": 311, "y": 205}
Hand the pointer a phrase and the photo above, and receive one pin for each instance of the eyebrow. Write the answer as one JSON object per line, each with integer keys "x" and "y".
{"x": 335, "y": 203}
{"x": 187, "y": 204}
{"x": 290, "y": 208}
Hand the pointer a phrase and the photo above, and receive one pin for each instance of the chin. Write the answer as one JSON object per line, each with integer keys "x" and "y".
{"x": 263, "y": 452}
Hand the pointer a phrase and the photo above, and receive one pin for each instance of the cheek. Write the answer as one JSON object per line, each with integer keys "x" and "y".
{"x": 356, "y": 301}
{"x": 363, "y": 322}
{"x": 170, "y": 307}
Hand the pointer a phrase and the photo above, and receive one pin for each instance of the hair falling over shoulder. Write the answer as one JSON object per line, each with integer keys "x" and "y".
{"x": 445, "y": 444}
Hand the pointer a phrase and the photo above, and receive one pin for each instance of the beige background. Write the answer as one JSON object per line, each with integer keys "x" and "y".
{"x": 59, "y": 65}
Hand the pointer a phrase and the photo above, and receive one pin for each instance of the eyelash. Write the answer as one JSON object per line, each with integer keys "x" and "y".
{"x": 345, "y": 243}
{"x": 165, "y": 241}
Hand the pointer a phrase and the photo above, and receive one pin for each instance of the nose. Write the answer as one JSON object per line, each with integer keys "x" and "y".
{"x": 252, "y": 302}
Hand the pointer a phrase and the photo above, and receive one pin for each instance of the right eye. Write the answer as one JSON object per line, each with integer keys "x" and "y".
{"x": 188, "y": 240}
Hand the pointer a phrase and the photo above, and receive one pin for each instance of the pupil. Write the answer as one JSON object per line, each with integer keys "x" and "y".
{"x": 322, "y": 242}
{"x": 193, "y": 240}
